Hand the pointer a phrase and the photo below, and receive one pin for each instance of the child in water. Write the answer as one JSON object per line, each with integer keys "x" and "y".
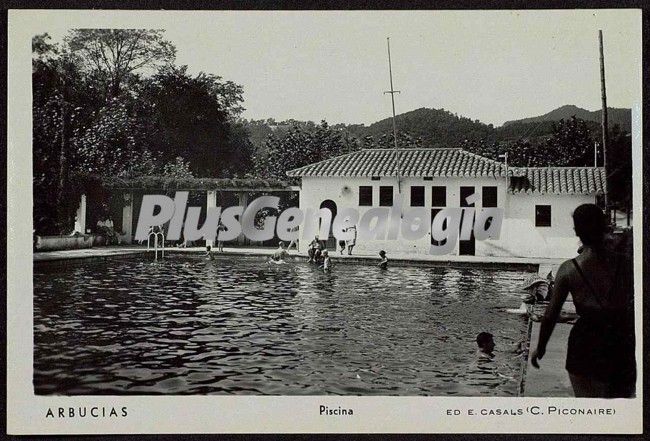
{"x": 327, "y": 262}
{"x": 383, "y": 264}
{"x": 279, "y": 255}
{"x": 208, "y": 252}
{"x": 485, "y": 342}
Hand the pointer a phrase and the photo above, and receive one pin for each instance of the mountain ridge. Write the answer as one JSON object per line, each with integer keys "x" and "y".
{"x": 615, "y": 115}
{"x": 442, "y": 128}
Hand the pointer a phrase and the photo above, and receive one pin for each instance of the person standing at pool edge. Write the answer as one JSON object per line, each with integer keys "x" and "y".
{"x": 600, "y": 355}
{"x": 352, "y": 242}
{"x": 311, "y": 251}
{"x": 220, "y": 227}
{"x": 342, "y": 245}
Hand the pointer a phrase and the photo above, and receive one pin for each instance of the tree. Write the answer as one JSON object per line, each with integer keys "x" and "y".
{"x": 619, "y": 158}
{"x": 195, "y": 117}
{"x": 570, "y": 145}
{"x": 179, "y": 169}
{"x": 112, "y": 56}
{"x": 300, "y": 146}
{"x": 116, "y": 143}
{"x": 97, "y": 115}
{"x": 62, "y": 105}
{"x": 386, "y": 141}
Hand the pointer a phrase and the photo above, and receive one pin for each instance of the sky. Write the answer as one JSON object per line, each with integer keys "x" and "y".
{"x": 493, "y": 66}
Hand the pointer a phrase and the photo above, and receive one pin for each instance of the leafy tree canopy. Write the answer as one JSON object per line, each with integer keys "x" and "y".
{"x": 111, "y": 56}
{"x": 112, "y": 103}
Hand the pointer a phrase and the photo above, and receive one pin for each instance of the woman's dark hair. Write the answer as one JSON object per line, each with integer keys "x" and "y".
{"x": 590, "y": 225}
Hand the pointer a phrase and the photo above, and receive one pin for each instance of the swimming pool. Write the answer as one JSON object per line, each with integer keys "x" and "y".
{"x": 236, "y": 325}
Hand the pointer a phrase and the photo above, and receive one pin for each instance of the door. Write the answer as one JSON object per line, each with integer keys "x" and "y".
{"x": 329, "y": 242}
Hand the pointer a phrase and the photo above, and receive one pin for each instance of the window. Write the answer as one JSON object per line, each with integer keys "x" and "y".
{"x": 375, "y": 178}
{"x": 365, "y": 196}
{"x": 428, "y": 178}
{"x": 386, "y": 196}
{"x": 542, "y": 215}
{"x": 489, "y": 197}
{"x": 439, "y": 196}
{"x": 465, "y": 192}
{"x": 417, "y": 196}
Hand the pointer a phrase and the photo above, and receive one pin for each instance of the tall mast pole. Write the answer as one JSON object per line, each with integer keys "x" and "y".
{"x": 392, "y": 98}
{"x": 604, "y": 118}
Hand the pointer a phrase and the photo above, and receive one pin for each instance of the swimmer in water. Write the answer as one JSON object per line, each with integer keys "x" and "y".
{"x": 279, "y": 254}
{"x": 208, "y": 252}
{"x": 485, "y": 342}
{"x": 383, "y": 264}
{"x": 327, "y": 262}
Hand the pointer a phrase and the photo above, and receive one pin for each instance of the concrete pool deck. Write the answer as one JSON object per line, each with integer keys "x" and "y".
{"x": 551, "y": 380}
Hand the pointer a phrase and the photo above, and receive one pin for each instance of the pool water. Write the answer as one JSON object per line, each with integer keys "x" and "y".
{"x": 234, "y": 325}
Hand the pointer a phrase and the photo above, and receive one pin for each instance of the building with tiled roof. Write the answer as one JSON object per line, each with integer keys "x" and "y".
{"x": 537, "y": 202}
{"x": 456, "y": 162}
{"x": 412, "y": 163}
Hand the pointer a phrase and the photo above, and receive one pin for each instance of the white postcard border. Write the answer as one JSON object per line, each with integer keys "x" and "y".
{"x": 26, "y": 412}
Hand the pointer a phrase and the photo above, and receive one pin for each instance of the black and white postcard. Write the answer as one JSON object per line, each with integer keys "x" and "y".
{"x": 324, "y": 221}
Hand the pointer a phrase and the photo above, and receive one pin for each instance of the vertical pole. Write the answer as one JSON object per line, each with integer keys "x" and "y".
{"x": 392, "y": 98}
{"x": 505, "y": 160}
{"x": 63, "y": 162}
{"x": 243, "y": 202}
{"x": 595, "y": 154}
{"x": 211, "y": 203}
{"x": 80, "y": 221}
{"x": 507, "y": 182}
{"x": 604, "y": 117}
{"x": 127, "y": 218}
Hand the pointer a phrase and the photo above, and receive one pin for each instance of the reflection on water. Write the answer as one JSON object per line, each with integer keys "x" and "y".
{"x": 238, "y": 326}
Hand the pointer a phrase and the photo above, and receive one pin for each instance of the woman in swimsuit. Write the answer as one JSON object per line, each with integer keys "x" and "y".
{"x": 600, "y": 356}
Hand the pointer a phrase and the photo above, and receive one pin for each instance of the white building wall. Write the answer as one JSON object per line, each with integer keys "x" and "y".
{"x": 345, "y": 193}
{"x": 520, "y": 236}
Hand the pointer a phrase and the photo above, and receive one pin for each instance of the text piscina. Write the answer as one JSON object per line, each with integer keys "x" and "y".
{"x": 335, "y": 411}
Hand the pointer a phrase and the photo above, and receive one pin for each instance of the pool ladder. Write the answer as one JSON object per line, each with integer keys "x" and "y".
{"x": 155, "y": 234}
